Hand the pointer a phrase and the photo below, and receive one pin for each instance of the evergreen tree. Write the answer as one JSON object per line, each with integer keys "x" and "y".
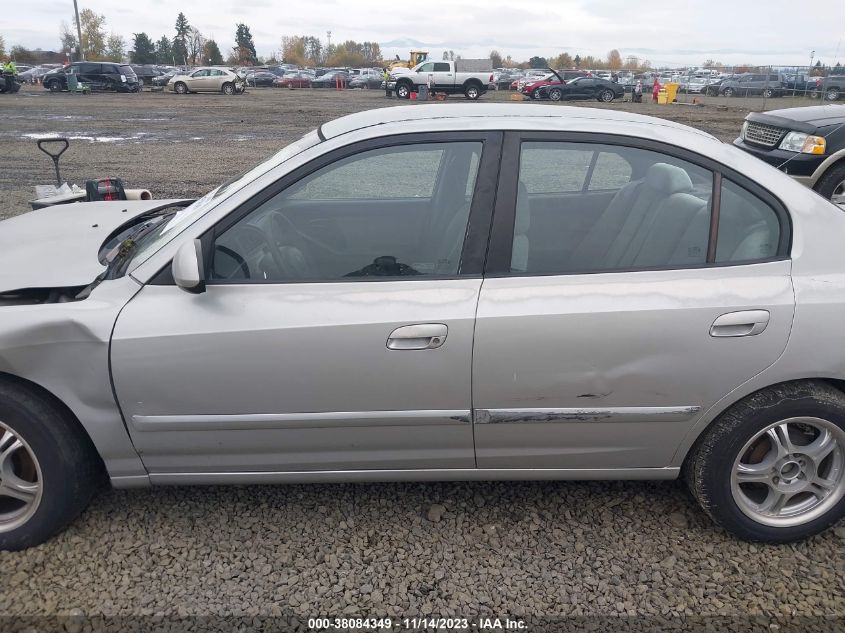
{"x": 164, "y": 51}
{"x": 143, "y": 50}
{"x": 212, "y": 55}
{"x": 180, "y": 42}
{"x": 244, "y": 46}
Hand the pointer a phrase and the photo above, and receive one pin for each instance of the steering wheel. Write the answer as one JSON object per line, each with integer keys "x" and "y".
{"x": 240, "y": 261}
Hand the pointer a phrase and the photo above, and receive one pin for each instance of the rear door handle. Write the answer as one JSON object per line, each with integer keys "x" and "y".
{"x": 420, "y": 336}
{"x": 743, "y": 323}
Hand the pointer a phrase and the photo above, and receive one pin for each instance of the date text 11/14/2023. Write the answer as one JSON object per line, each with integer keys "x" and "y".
{"x": 417, "y": 624}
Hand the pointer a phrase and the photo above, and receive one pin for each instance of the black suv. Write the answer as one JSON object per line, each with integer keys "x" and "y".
{"x": 806, "y": 143}
{"x": 97, "y": 75}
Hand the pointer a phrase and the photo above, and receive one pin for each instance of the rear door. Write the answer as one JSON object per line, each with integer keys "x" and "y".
{"x": 443, "y": 75}
{"x": 603, "y": 353}
{"x": 91, "y": 74}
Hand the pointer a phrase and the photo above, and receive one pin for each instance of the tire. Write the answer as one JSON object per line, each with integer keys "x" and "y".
{"x": 55, "y": 85}
{"x": 831, "y": 94}
{"x": 536, "y": 95}
{"x": 833, "y": 184}
{"x": 768, "y": 93}
{"x": 228, "y": 89}
{"x": 728, "y": 92}
{"x": 54, "y": 455}
{"x": 739, "y": 445}
{"x": 403, "y": 90}
{"x": 555, "y": 94}
{"x": 180, "y": 88}
{"x": 606, "y": 96}
{"x": 472, "y": 92}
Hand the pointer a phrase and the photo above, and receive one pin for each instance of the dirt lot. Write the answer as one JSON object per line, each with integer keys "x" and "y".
{"x": 535, "y": 550}
{"x": 184, "y": 146}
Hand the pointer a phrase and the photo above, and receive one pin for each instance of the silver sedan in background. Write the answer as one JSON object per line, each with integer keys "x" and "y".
{"x": 438, "y": 293}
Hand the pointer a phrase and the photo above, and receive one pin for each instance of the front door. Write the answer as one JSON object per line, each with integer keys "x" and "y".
{"x": 608, "y": 325}
{"x": 336, "y": 329}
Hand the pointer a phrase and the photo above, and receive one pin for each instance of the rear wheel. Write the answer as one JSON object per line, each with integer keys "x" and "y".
{"x": 606, "y": 96}
{"x": 472, "y": 92}
{"x": 555, "y": 94}
{"x": 832, "y": 184}
{"x": 228, "y": 89}
{"x": 49, "y": 470}
{"x": 772, "y": 468}
{"x": 181, "y": 88}
{"x": 768, "y": 93}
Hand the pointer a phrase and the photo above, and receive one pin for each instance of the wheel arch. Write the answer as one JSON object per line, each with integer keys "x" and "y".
{"x": 111, "y": 440}
{"x": 715, "y": 413}
{"x": 831, "y": 162}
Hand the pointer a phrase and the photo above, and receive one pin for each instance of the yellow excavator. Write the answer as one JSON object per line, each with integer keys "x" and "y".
{"x": 416, "y": 57}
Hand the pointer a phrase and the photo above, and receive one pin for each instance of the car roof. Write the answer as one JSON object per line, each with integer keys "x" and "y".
{"x": 476, "y": 116}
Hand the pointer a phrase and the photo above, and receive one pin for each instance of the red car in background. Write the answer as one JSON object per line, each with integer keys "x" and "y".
{"x": 293, "y": 80}
{"x": 540, "y": 89}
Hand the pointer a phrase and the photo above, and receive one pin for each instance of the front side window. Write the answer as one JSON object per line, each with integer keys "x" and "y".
{"x": 390, "y": 212}
{"x": 426, "y": 68}
{"x": 585, "y": 207}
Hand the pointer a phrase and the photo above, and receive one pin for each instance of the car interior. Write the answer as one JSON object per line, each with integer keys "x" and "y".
{"x": 396, "y": 211}
{"x": 625, "y": 208}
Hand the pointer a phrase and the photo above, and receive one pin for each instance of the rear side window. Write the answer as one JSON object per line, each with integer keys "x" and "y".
{"x": 440, "y": 67}
{"x": 749, "y": 229}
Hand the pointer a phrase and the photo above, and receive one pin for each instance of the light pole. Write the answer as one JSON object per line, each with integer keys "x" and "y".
{"x": 78, "y": 30}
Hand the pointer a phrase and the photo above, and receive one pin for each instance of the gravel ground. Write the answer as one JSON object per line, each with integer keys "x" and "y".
{"x": 537, "y": 551}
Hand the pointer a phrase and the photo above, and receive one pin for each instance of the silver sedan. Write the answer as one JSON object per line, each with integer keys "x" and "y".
{"x": 438, "y": 293}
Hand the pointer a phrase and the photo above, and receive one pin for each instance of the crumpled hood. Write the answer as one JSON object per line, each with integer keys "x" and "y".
{"x": 58, "y": 246}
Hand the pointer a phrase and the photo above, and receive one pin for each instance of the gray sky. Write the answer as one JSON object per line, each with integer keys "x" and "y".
{"x": 667, "y": 32}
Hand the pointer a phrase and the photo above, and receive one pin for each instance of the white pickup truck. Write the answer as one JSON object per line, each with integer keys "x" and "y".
{"x": 469, "y": 77}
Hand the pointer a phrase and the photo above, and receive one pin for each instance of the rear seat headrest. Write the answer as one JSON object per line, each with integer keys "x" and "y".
{"x": 668, "y": 179}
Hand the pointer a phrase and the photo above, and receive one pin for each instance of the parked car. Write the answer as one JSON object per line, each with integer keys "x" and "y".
{"x": 33, "y": 75}
{"x": 576, "y": 260}
{"x": 799, "y": 84}
{"x": 209, "y": 79}
{"x": 831, "y": 87}
{"x": 692, "y": 84}
{"x": 164, "y": 79}
{"x": 540, "y": 87}
{"x": 367, "y": 80}
{"x": 261, "y": 78}
{"x": 296, "y": 79}
{"x": 581, "y": 88}
{"x": 807, "y": 143}
{"x": 97, "y": 75}
{"x": 469, "y": 77}
{"x": 331, "y": 79}
{"x": 753, "y": 84}
{"x": 147, "y": 73}
{"x": 713, "y": 87}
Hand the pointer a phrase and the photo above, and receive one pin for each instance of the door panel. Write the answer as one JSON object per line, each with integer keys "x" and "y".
{"x": 611, "y": 370}
{"x": 296, "y": 376}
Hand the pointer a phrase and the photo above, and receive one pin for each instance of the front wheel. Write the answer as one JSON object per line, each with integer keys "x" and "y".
{"x": 606, "y": 96}
{"x": 49, "y": 470}
{"x": 772, "y": 468}
{"x": 403, "y": 91}
{"x": 55, "y": 86}
{"x": 832, "y": 184}
{"x": 228, "y": 89}
{"x": 472, "y": 92}
{"x": 831, "y": 94}
{"x": 181, "y": 88}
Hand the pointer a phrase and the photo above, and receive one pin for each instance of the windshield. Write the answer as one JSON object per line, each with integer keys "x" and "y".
{"x": 155, "y": 232}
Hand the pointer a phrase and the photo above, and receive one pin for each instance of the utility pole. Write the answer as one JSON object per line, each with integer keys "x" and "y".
{"x": 328, "y": 37}
{"x": 78, "y": 30}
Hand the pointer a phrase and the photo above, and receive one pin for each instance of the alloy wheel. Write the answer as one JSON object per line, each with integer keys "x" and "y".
{"x": 20, "y": 480}
{"x": 791, "y": 472}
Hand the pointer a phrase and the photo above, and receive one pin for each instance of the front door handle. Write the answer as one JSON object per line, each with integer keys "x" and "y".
{"x": 420, "y": 336}
{"x": 743, "y": 323}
